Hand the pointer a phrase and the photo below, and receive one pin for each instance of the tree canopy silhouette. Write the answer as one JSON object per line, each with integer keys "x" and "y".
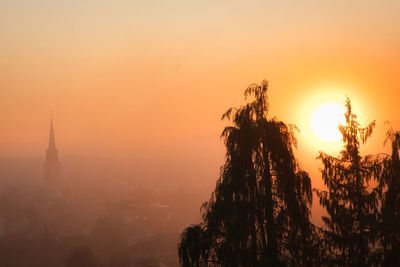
{"x": 259, "y": 212}
{"x": 390, "y": 229}
{"x": 351, "y": 201}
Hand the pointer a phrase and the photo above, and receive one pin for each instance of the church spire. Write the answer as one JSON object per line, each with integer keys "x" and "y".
{"x": 52, "y": 164}
{"x": 52, "y": 140}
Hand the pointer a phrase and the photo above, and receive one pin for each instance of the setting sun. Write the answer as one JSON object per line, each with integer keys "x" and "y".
{"x": 325, "y": 121}
{"x": 199, "y": 133}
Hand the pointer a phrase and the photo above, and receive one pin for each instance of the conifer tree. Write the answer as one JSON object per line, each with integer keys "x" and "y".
{"x": 258, "y": 214}
{"x": 390, "y": 229}
{"x": 351, "y": 202}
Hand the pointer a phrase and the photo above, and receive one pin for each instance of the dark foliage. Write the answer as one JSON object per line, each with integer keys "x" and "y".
{"x": 258, "y": 214}
{"x": 351, "y": 201}
{"x": 391, "y": 203}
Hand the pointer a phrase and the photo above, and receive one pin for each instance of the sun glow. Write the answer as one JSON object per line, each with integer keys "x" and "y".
{"x": 320, "y": 113}
{"x": 325, "y": 120}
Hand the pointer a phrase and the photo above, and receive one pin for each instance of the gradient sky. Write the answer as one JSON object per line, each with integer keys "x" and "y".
{"x": 150, "y": 79}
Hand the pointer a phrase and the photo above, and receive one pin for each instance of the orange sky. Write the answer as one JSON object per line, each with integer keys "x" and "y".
{"x": 151, "y": 79}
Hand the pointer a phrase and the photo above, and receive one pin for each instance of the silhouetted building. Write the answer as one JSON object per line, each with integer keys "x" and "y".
{"x": 52, "y": 165}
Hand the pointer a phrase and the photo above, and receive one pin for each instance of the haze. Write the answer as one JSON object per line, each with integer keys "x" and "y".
{"x": 138, "y": 87}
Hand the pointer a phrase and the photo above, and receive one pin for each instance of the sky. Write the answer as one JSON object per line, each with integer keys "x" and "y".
{"x": 148, "y": 81}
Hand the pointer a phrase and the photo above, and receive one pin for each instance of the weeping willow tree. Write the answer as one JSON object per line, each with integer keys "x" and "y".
{"x": 391, "y": 202}
{"x": 259, "y": 213}
{"x": 352, "y": 199}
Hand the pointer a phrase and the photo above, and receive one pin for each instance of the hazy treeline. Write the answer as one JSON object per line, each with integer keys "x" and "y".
{"x": 259, "y": 212}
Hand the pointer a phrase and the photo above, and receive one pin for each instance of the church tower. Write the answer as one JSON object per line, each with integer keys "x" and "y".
{"x": 51, "y": 170}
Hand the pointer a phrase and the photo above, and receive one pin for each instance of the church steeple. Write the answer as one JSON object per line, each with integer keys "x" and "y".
{"x": 52, "y": 164}
{"x": 52, "y": 140}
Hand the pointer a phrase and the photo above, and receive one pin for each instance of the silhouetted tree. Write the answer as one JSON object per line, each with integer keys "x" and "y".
{"x": 80, "y": 257}
{"x": 258, "y": 214}
{"x": 351, "y": 201}
{"x": 391, "y": 202}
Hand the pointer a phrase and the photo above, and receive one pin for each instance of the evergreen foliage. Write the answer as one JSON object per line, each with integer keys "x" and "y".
{"x": 391, "y": 202}
{"x": 351, "y": 200}
{"x": 259, "y": 213}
